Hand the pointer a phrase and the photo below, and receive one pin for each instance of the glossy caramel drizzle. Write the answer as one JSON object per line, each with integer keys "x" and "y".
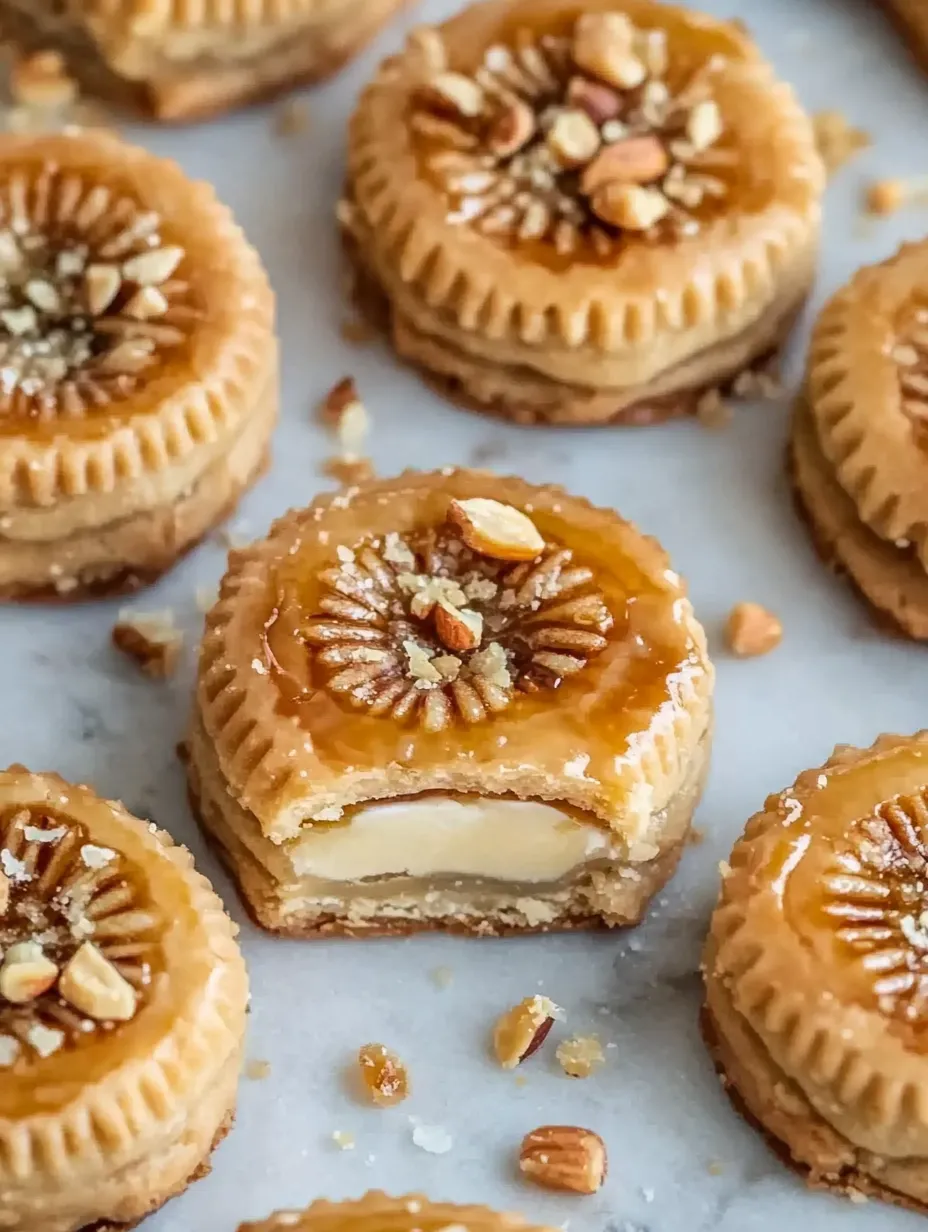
{"x": 60, "y": 891}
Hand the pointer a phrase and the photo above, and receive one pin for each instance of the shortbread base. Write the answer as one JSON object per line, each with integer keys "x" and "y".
{"x": 133, "y": 552}
{"x": 526, "y": 396}
{"x": 605, "y": 894}
{"x": 776, "y": 1107}
{"x": 181, "y": 91}
{"x": 890, "y": 579}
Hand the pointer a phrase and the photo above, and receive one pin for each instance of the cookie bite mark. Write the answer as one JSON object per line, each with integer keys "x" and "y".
{"x": 445, "y": 736}
{"x": 578, "y": 215}
{"x": 138, "y": 364}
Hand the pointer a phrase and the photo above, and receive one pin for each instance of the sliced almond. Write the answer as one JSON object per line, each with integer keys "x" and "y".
{"x": 704, "y": 124}
{"x": 149, "y": 269}
{"x": 462, "y": 94}
{"x": 458, "y": 628}
{"x": 637, "y": 160}
{"x": 92, "y": 985}
{"x": 495, "y": 529}
{"x": 600, "y": 102}
{"x": 147, "y": 302}
{"x": 630, "y": 206}
{"x": 522, "y": 1030}
{"x": 101, "y": 286}
{"x": 26, "y": 973}
{"x": 604, "y": 48}
{"x": 573, "y": 138}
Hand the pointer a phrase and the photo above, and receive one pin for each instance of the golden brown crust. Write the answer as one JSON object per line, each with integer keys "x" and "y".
{"x": 377, "y": 1212}
{"x": 609, "y": 325}
{"x": 814, "y": 964}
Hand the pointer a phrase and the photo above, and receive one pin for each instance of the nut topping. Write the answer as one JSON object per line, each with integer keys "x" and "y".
{"x": 4, "y": 893}
{"x": 527, "y": 147}
{"x": 92, "y": 985}
{"x": 751, "y": 630}
{"x": 458, "y": 628}
{"x": 496, "y": 530}
{"x": 26, "y": 973}
{"x": 564, "y": 1157}
{"x": 521, "y": 1031}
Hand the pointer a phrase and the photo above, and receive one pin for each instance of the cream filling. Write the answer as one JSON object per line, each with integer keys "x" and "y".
{"x": 508, "y": 840}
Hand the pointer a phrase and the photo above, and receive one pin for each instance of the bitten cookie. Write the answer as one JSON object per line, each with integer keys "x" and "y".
{"x": 122, "y": 1011}
{"x": 860, "y": 434}
{"x": 816, "y": 972}
{"x": 582, "y": 213}
{"x": 450, "y": 700}
{"x": 138, "y": 365}
{"x": 186, "y": 59}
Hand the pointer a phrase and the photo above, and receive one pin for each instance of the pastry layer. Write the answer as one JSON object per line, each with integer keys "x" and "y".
{"x": 890, "y": 578}
{"x": 441, "y": 835}
{"x": 600, "y": 890}
{"x": 177, "y": 73}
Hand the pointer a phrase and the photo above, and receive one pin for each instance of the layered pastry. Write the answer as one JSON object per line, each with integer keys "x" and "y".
{"x": 582, "y": 212}
{"x": 859, "y": 446}
{"x": 376, "y": 1212}
{"x": 138, "y": 366}
{"x": 450, "y": 700}
{"x": 122, "y": 1010}
{"x": 184, "y": 59}
{"x": 816, "y": 972}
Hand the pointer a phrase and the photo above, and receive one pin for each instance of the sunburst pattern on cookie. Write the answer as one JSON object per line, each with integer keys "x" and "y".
{"x": 910, "y": 352}
{"x": 59, "y": 891}
{"x": 877, "y": 898}
{"x": 374, "y": 644}
{"x": 523, "y": 145}
{"x": 91, "y": 294}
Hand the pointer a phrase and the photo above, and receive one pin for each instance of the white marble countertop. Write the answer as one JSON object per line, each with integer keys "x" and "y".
{"x": 681, "y": 1160}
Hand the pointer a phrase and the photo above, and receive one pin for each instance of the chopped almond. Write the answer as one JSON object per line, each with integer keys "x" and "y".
{"x": 751, "y": 630}
{"x": 385, "y": 1077}
{"x": 458, "y": 628}
{"x": 495, "y": 529}
{"x": 522, "y": 1030}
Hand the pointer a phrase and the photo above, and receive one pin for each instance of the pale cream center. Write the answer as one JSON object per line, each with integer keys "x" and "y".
{"x": 511, "y": 840}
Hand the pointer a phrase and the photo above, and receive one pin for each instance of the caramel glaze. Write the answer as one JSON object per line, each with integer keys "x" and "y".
{"x": 631, "y": 688}
{"x": 692, "y": 42}
{"x": 850, "y": 879}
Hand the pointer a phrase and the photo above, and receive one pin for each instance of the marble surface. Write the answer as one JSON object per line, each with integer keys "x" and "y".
{"x": 681, "y": 1161}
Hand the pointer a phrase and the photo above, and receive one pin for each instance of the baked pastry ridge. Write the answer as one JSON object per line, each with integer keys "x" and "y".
{"x": 377, "y": 1212}
{"x": 397, "y": 728}
{"x": 582, "y": 213}
{"x": 860, "y": 434}
{"x": 188, "y": 60}
{"x": 138, "y": 365}
{"x": 815, "y": 971}
{"x": 122, "y": 1011}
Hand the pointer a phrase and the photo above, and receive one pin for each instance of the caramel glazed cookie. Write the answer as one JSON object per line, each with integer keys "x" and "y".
{"x": 138, "y": 365}
{"x": 859, "y": 446}
{"x": 816, "y": 972}
{"x": 450, "y": 700}
{"x": 376, "y": 1212}
{"x": 582, "y": 212}
{"x": 185, "y": 59}
{"x": 122, "y": 1012}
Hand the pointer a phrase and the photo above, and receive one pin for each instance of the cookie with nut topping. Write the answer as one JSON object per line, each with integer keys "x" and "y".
{"x": 859, "y": 444}
{"x": 138, "y": 365}
{"x": 186, "y": 59}
{"x": 584, "y": 213}
{"x": 122, "y": 1011}
{"x": 450, "y": 700}
{"x": 816, "y": 971}
{"x": 376, "y": 1212}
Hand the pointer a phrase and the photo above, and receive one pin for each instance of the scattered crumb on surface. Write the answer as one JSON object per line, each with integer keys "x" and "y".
{"x": 343, "y": 1140}
{"x": 292, "y": 119}
{"x": 763, "y": 384}
{"x": 432, "y": 1138}
{"x": 257, "y": 1070}
{"x": 151, "y": 640}
{"x": 713, "y": 411}
{"x": 578, "y": 1057}
{"x": 342, "y": 410}
{"x": 715, "y": 1167}
{"x": 357, "y": 332}
{"x": 696, "y": 836}
{"x": 837, "y": 139}
{"x": 751, "y": 630}
{"x": 882, "y": 197}
{"x": 521, "y": 1080}
{"x": 443, "y": 977}
{"x": 384, "y": 1076}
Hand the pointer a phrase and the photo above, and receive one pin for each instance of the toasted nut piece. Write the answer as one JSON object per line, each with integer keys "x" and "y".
{"x": 600, "y": 102}
{"x": 564, "y": 1157}
{"x": 629, "y": 206}
{"x": 150, "y": 269}
{"x": 603, "y": 47}
{"x": 885, "y": 196}
{"x": 92, "y": 985}
{"x": 511, "y": 128}
{"x": 101, "y": 286}
{"x": 638, "y": 160}
{"x": 573, "y": 138}
{"x": 384, "y": 1075}
{"x": 579, "y": 1056}
{"x": 26, "y": 973}
{"x": 523, "y": 1029}
{"x": 462, "y": 94}
{"x": 337, "y": 400}
{"x": 704, "y": 124}
{"x": 496, "y": 530}
{"x": 458, "y": 628}
{"x": 4, "y": 892}
{"x": 751, "y": 630}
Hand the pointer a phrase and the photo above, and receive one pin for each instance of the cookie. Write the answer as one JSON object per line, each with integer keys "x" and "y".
{"x": 450, "y": 700}
{"x": 376, "y": 1212}
{"x": 583, "y": 213}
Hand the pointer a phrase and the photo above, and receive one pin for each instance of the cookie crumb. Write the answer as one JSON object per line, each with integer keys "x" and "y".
{"x": 838, "y": 140}
{"x": 40, "y": 81}
{"x": 882, "y": 197}
{"x": 151, "y": 640}
{"x": 713, "y": 411}
{"x": 696, "y": 836}
{"x": 383, "y": 1074}
{"x": 257, "y": 1071}
{"x": 357, "y": 332}
{"x": 343, "y": 410}
{"x": 432, "y": 1138}
{"x": 751, "y": 630}
{"x": 343, "y": 1140}
{"x": 578, "y": 1057}
{"x": 443, "y": 977}
{"x": 292, "y": 118}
